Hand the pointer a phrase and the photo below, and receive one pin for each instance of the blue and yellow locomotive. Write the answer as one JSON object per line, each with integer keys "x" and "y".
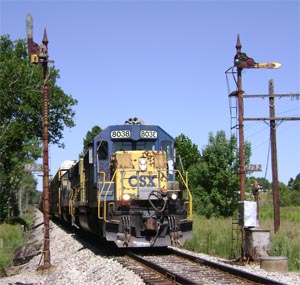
{"x": 125, "y": 189}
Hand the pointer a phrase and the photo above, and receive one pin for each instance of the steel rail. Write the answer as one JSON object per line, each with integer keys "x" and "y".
{"x": 165, "y": 272}
{"x": 228, "y": 269}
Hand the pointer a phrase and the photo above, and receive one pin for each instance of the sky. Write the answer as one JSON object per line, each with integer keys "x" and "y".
{"x": 165, "y": 61}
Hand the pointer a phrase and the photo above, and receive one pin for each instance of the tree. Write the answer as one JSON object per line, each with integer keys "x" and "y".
{"x": 294, "y": 184}
{"x": 214, "y": 179}
{"x": 187, "y": 152}
{"x": 27, "y": 193}
{"x": 21, "y": 117}
{"x": 89, "y": 137}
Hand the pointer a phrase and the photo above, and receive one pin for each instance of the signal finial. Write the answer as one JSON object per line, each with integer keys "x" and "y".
{"x": 45, "y": 38}
{"x": 238, "y": 44}
{"x": 29, "y": 26}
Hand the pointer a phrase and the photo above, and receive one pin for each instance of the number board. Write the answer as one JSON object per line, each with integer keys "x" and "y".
{"x": 34, "y": 167}
{"x": 148, "y": 134}
{"x": 252, "y": 167}
{"x": 120, "y": 134}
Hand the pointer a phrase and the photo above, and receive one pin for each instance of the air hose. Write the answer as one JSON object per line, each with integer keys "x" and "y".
{"x": 159, "y": 196}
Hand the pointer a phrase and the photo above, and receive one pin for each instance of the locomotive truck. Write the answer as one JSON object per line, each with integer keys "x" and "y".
{"x": 125, "y": 188}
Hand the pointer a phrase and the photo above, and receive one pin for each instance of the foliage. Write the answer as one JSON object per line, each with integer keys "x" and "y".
{"x": 288, "y": 196}
{"x": 214, "y": 176}
{"x": 294, "y": 184}
{"x": 21, "y": 118}
{"x": 28, "y": 195}
{"x": 211, "y": 236}
{"x": 187, "y": 152}
{"x": 11, "y": 238}
{"x": 89, "y": 137}
{"x": 214, "y": 179}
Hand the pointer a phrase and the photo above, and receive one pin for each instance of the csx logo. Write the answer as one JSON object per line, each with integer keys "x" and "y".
{"x": 142, "y": 181}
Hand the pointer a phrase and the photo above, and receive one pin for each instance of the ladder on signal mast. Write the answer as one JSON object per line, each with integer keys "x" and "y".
{"x": 235, "y": 238}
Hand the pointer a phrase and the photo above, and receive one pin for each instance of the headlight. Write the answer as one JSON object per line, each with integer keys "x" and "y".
{"x": 174, "y": 196}
{"x": 126, "y": 197}
{"x": 143, "y": 163}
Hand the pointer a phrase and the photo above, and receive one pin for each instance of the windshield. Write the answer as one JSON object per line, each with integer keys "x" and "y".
{"x": 133, "y": 145}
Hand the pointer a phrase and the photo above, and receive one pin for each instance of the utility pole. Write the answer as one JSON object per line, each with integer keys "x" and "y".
{"x": 39, "y": 55}
{"x": 274, "y": 157}
{"x": 272, "y": 118}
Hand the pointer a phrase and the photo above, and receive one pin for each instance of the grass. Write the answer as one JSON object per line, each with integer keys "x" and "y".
{"x": 12, "y": 238}
{"x": 211, "y": 236}
{"x": 286, "y": 242}
{"x": 214, "y": 236}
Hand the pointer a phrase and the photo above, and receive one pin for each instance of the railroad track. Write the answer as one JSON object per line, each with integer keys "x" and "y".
{"x": 169, "y": 266}
{"x": 173, "y": 267}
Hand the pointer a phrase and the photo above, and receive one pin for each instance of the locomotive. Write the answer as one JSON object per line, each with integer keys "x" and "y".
{"x": 125, "y": 188}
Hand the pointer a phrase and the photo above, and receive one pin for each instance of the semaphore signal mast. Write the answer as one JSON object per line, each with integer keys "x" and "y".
{"x": 38, "y": 54}
{"x": 242, "y": 61}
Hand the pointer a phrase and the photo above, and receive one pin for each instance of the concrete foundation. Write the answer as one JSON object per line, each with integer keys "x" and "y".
{"x": 257, "y": 243}
{"x": 274, "y": 263}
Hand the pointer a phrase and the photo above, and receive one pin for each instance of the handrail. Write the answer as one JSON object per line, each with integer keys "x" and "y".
{"x": 82, "y": 182}
{"x": 72, "y": 198}
{"x": 82, "y": 192}
{"x": 190, "y": 197}
{"x": 71, "y": 202}
{"x": 59, "y": 201}
{"x": 59, "y": 193}
{"x": 105, "y": 197}
{"x": 100, "y": 195}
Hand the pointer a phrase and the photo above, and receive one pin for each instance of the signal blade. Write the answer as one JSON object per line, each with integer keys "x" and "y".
{"x": 272, "y": 65}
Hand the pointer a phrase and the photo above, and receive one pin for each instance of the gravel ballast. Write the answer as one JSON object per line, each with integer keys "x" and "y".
{"x": 71, "y": 263}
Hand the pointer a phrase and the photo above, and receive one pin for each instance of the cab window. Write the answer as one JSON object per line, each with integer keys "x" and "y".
{"x": 147, "y": 145}
{"x": 122, "y": 145}
{"x": 167, "y": 147}
{"x": 102, "y": 150}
